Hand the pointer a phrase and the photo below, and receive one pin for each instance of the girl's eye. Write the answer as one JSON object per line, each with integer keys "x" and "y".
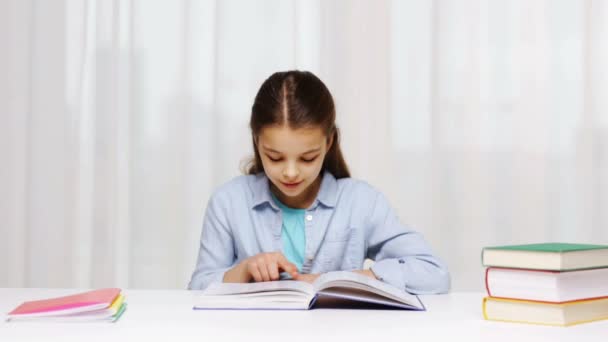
{"x": 274, "y": 160}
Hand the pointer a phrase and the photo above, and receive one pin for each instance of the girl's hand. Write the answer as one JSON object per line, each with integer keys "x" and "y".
{"x": 368, "y": 273}
{"x": 309, "y": 278}
{"x": 260, "y": 267}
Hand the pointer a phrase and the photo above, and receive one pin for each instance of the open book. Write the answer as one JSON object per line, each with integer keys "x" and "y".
{"x": 336, "y": 289}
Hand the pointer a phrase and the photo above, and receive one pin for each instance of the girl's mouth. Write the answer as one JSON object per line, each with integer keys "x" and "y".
{"x": 291, "y": 185}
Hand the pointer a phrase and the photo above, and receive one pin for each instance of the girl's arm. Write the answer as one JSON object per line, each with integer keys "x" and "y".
{"x": 216, "y": 258}
{"x": 402, "y": 256}
{"x": 216, "y": 251}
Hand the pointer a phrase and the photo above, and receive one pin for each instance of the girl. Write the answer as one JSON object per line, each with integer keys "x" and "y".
{"x": 297, "y": 213}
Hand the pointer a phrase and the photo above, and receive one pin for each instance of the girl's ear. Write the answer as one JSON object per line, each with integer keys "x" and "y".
{"x": 330, "y": 140}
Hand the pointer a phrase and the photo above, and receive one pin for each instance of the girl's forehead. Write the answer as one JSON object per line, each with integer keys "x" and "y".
{"x": 281, "y": 138}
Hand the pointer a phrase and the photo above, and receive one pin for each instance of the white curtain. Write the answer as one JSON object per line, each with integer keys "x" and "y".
{"x": 484, "y": 122}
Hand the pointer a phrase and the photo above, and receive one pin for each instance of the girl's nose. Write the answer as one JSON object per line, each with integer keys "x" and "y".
{"x": 291, "y": 172}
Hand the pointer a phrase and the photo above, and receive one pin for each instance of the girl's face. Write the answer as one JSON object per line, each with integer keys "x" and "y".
{"x": 292, "y": 159}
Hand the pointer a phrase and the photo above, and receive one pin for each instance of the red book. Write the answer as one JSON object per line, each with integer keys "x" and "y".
{"x": 82, "y": 302}
{"x": 547, "y": 286}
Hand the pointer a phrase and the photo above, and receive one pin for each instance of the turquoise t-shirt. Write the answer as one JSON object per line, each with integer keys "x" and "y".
{"x": 292, "y": 234}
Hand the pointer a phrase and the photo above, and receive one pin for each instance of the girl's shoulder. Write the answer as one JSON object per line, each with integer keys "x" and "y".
{"x": 359, "y": 196}
{"x": 236, "y": 182}
{"x": 354, "y": 186}
{"x": 355, "y": 193}
{"x": 239, "y": 188}
{"x": 252, "y": 189}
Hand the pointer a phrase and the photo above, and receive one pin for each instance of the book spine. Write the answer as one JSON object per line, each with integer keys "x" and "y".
{"x": 487, "y": 285}
{"x": 483, "y": 308}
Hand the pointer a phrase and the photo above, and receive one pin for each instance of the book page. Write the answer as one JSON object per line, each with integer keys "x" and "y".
{"x": 352, "y": 280}
{"x": 278, "y": 295}
{"x": 268, "y": 286}
{"x": 342, "y": 297}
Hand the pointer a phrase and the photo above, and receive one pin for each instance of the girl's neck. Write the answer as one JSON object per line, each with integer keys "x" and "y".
{"x": 303, "y": 200}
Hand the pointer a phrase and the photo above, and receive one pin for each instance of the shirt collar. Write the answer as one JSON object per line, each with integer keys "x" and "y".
{"x": 261, "y": 191}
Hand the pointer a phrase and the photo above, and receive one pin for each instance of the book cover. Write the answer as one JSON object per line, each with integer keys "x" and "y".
{"x": 558, "y": 247}
{"x": 109, "y": 314}
{"x": 547, "y": 286}
{"x": 529, "y": 312}
{"x": 546, "y": 256}
{"x": 86, "y": 301}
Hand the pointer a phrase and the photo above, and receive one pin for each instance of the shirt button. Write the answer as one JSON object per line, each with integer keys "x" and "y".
{"x": 308, "y": 217}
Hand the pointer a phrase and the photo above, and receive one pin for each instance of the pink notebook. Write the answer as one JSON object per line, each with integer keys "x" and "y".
{"x": 86, "y": 301}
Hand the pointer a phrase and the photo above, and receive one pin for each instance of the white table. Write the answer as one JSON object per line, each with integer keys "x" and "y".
{"x": 167, "y": 315}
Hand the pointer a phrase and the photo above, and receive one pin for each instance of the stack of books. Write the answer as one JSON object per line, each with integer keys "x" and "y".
{"x": 549, "y": 283}
{"x": 103, "y": 305}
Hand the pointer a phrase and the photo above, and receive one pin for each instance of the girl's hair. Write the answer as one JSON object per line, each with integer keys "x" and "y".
{"x": 298, "y": 99}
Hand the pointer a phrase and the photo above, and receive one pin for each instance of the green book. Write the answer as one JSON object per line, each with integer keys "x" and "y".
{"x": 546, "y": 256}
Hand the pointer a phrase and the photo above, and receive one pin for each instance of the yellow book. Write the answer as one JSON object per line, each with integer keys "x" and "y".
{"x": 543, "y": 313}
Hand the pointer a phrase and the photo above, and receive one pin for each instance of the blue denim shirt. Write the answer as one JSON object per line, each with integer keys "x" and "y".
{"x": 348, "y": 222}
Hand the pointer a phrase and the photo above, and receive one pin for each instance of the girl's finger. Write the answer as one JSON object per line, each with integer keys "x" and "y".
{"x": 263, "y": 268}
{"x": 273, "y": 270}
{"x": 255, "y": 273}
{"x": 287, "y": 266}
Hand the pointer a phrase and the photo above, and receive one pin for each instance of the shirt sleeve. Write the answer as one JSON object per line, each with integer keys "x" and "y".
{"x": 402, "y": 256}
{"x": 216, "y": 251}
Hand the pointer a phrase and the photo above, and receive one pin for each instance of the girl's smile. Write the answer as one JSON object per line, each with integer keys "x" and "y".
{"x": 291, "y": 185}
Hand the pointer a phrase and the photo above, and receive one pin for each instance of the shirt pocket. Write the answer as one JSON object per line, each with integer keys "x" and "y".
{"x": 337, "y": 250}
{"x": 341, "y": 235}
